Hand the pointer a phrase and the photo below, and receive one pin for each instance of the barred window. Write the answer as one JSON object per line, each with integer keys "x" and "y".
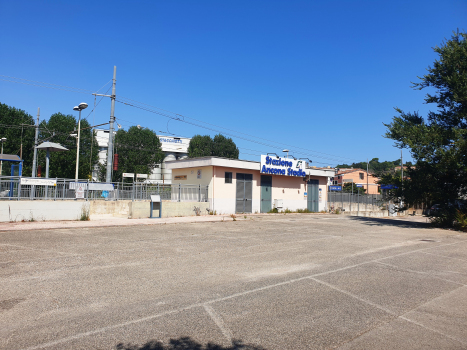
{"x": 228, "y": 177}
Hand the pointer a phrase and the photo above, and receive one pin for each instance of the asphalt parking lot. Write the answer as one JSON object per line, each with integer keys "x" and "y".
{"x": 295, "y": 281}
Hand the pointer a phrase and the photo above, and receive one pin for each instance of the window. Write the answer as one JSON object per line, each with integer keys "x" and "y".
{"x": 228, "y": 177}
{"x": 362, "y": 176}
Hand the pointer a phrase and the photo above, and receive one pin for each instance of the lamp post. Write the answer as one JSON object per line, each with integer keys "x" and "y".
{"x": 3, "y": 139}
{"x": 79, "y": 108}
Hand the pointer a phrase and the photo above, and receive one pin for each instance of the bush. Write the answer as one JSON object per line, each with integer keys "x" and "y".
{"x": 273, "y": 211}
{"x": 461, "y": 221}
{"x": 84, "y": 214}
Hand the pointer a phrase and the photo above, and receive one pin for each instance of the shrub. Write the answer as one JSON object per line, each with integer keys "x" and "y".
{"x": 84, "y": 214}
{"x": 461, "y": 221}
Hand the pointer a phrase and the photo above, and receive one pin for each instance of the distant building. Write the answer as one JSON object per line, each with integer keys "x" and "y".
{"x": 175, "y": 148}
{"x": 357, "y": 176}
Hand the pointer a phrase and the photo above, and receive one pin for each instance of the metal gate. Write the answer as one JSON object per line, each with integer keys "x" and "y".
{"x": 266, "y": 187}
{"x": 313, "y": 195}
{"x": 244, "y": 193}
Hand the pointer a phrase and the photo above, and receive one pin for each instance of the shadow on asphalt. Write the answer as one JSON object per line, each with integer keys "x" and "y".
{"x": 390, "y": 222}
{"x": 186, "y": 343}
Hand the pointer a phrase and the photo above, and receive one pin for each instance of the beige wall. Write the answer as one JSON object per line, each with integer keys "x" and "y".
{"x": 222, "y": 195}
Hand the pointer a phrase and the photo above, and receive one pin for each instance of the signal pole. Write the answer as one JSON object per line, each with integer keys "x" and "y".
{"x": 108, "y": 173}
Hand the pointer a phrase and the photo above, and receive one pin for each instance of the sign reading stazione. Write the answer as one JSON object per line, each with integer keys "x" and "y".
{"x": 282, "y": 166}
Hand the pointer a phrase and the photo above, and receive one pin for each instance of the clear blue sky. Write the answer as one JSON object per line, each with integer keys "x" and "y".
{"x": 317, "y": 77}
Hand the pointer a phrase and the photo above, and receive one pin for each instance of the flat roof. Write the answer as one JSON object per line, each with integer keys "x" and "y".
{"x": 10, "y": 157}
{"x": 233, "y": 163}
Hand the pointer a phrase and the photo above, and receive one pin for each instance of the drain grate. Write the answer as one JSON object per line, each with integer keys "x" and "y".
{"x": 427, "y": 240}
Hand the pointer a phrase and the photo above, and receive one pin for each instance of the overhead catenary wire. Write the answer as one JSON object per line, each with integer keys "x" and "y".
{"x": 259, "y": 153}
{"x": 221, "y": 127}
{"x": 181, "y": 118}
{"x": 226, "y": 133}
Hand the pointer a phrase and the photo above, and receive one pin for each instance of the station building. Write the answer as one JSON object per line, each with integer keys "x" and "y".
{"x": 175, "y": 148}
{"x": 240, "y": 186}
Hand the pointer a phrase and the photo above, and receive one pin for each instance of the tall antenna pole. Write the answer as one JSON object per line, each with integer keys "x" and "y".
{"x": 108, "y": 174}
{"x": 33, "y": 174}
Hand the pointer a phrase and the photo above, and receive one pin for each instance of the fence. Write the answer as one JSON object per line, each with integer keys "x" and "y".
{"x": 355, "y": 202}
{"x": 22, "y": 188}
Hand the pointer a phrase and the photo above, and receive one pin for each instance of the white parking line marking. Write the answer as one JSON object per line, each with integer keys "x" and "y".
{"x": 148, "y": 318}
{"x": 219, "y": 322}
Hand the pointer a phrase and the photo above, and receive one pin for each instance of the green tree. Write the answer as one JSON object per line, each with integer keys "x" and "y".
{"x": 373, "y": 165}
{"x": 63, "y": 164}
{"x": 200, "y": 146}
{"x": 347, "y": 188}
{"x": 205, "y": 146}
{"x": 438, "y": 142}
{"x": 224, "y": 147}
{"x": 139, "y": 151}
{"x": 18, "y": 128}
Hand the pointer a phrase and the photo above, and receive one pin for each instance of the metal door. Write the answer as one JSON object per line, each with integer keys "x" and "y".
{"x": 266, "y": 187}
{"x": 313, "y": 195}
{"x": 244, "y": 193}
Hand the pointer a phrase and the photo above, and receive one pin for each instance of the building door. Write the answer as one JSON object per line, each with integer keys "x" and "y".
{"x": 244, "y": 193}
{"x": 266, "y": 187}
{"x": 313, "y": 195}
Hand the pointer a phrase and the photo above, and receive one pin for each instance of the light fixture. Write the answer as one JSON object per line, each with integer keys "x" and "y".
{"x": 274, "y": 154}
{"x": 80, "y": 107}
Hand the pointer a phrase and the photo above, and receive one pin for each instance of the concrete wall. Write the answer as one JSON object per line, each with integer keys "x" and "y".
{"x": 354, "y": 207}
{"x": 11, "y": 211}
{"x": 41, "y": 210}
{"x": 142, "y": 209}
{"x": 114, "y": 208}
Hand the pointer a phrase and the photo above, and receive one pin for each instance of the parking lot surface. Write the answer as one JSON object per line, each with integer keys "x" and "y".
{"x": 295, "y": 281}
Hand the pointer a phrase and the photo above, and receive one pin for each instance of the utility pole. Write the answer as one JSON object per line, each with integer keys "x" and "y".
{"x": 402, "y": 177}
{"x": 33, "y": 174}
{"x": 367, "y": 188}
{"x": 108, "y": 173}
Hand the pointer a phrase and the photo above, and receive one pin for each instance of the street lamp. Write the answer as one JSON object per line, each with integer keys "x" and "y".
{"x": 79, "y": 108}
{"x": 3, "y": 139}
{"x": 286, "y": 151}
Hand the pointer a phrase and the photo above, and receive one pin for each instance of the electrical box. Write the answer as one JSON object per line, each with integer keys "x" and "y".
{"x": 278, "y": 203}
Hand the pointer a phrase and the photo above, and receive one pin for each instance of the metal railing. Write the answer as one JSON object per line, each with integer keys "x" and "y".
{"x": 13, "y": 188}
{"x": 355, "y": 202}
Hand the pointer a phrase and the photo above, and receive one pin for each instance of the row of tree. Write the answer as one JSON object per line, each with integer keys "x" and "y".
{"x": 139, "y": 149}
{"x": 376, "y": 166}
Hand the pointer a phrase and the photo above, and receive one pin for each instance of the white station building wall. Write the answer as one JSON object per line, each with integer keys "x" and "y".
{"x": 175, "y": 148}
{"x": 210, "y": 171}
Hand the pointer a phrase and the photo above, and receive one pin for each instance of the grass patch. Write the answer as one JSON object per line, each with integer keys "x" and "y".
{"x": 84, "y": 214}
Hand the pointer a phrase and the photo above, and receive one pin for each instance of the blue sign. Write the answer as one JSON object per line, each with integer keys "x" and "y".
{"x": 335, "y": 188}
{"x": 282, "y": 166}
{"x": 359, "y": 185}
{"x": 388, "y": 187}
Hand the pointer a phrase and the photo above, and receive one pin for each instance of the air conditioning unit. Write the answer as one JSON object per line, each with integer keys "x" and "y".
{"x": 278, "y": 203}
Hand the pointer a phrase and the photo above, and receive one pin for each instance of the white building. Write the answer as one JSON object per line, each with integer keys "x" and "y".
{"x": 175, "y": 148}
